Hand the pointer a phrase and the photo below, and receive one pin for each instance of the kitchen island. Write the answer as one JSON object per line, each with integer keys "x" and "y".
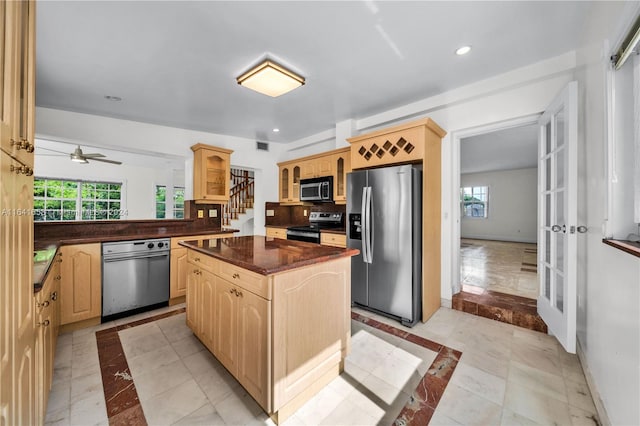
{"x": 274, "y": 312}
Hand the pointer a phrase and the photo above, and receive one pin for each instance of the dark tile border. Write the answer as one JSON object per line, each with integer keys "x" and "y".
{"x": 123, "y": 405}
{"x": 425, "y": 398}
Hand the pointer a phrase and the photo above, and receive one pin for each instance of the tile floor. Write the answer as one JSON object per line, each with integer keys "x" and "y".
{"x": 506, "y": 375}
{"x": 500, "y": 266}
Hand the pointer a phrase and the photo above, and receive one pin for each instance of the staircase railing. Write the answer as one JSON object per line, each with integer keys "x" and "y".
{"x": 240, "y": 195}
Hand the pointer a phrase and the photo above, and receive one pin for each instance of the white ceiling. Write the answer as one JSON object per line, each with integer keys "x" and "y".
{"x": 175, "y": 63}
{"x": 509, "y": 149}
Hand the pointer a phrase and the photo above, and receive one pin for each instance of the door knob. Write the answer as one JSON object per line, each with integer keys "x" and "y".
{"x": 556, "y": 228}
{"x": 582, "y": 229}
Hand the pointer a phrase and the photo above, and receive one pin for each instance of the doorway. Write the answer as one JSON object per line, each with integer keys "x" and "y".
{"x": 495, "y": 264}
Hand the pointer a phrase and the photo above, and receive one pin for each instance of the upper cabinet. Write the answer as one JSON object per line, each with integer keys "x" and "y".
{"x": 336, "y": 163}
{"x": 211, "y": 173}
{"x": 289, "y": 183}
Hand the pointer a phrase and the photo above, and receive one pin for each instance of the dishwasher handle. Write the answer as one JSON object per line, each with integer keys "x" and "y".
{"x": 121, "y": 257}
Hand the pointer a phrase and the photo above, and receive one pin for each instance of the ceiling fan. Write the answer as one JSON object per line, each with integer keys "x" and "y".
{"x": 78, "y": 156}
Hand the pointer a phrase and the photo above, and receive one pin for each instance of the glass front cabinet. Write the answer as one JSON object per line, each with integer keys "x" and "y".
{"x": 211, "y": 173}
{"x": 341, "y": 166}
{"x": 289, "y": 183}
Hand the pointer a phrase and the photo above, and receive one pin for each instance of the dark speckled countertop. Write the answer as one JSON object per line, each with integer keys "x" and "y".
{"x": 267, "y": 256}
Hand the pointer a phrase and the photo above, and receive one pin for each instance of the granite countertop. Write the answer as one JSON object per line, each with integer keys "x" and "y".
{"x": 42, "y": 260}
{"x": 267, "y": 256}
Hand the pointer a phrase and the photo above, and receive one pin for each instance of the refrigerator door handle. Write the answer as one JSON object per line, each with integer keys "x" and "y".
{"x": 369, "y": 225}
{"x": 363, "y": 218}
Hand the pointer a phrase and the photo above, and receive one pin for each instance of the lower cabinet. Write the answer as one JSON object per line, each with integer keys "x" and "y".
{"x": 80, "y": 288}
{"x": 276, "y": 232}
{"x": 335, "y": 240}
{"x": 47, "y": 324}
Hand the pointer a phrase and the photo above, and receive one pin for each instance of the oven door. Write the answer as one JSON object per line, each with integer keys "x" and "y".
{"x": 300, "y": 235}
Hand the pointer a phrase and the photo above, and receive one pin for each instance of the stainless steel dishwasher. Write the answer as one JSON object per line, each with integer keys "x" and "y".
{"x": 135, "y": 276}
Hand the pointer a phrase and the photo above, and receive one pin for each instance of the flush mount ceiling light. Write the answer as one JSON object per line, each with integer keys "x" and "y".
{"x": 463, "y": 50}
{"x": 270, "y": 79}
{"x": 276, "y": 130}
{"x": 113, "y": 98}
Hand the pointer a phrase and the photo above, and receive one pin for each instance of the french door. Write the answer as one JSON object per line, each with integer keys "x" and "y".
{"x": 557, "y": 215}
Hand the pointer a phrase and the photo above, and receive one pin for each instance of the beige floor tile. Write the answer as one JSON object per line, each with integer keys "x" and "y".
{"x": 509, "y": 418}
{"x": 152, "y": 360}
{"x": 154, "y": 382}
{"x": 174, "y": 327}
{"x": 536, "y": 406}
{"x": 538, "y": 380}
{"x": 318, "y": 407}
{"x": 344, "y": 384}
{"x": 217, "y": 385}
{"x": 467, "y": 408}
{"x": 89, "y": 411}
{"x": 203, "y": 416}
{"x": 238, "y": 408}
{"x": 440, "y": 419}
{"x": 580, "y": 396}
{"x": 581, "y": 417}
{"x": 347, "y": 413}
{"x": 174, "y": 404}
{"x": 537, "y": 358}
{"x": 479, "y": 382}
{"x": 187, "y": 346}
{"x": 201, "y": 362}
{"x": 138, "y": 342}
{"x": 86, "y": 387}
{"x": 425, "y": 355}
{"x": 491, "y": 361}
{"x": 84, "y": 365}
{"x": 58, "y": 418}
{"x": 59, "y": 397}
{"x": 397, "y": 372}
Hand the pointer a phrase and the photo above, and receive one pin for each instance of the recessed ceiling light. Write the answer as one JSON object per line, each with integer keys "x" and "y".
{"x": 463, "y": 50}
{"x": 276, "y": 130}
{"x": 113, "y": 98}
{"x": 270, "y": 79}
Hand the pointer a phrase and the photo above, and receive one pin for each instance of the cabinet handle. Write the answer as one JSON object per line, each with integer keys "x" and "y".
{"x": 238, "y": 293}
{"x": 43, "y": 304}
{"x": 236, "y": 275}
{"x": 57, "y": 278}
{"x": 197, "y": 259}
{"x": 60, "y": 260}
{"x": 24, "y": 170}
{"x": 54, "y": 295}
{"x": 44, "y": 323}
{"x": 234, "y": 291}
{"x": 23, "y": 144}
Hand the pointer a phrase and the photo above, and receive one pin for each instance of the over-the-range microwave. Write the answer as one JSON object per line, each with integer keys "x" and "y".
{"x": 317, "y": 189}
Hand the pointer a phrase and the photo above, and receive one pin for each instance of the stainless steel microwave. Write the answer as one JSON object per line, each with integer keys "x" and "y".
{"x": 317, "y": 189}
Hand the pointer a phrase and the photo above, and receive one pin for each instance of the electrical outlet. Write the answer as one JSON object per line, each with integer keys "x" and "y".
{"x": 213, "y": 213}
{"x": 200, "y": 214}
{"x": 305, "y": 212}
{"x": 271, "y": 213}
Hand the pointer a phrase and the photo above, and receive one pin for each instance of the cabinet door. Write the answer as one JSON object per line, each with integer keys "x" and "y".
{"x": 211, "y": 174}
{"x": 324, "y": 166}
{"x": 206, "y": 323}
{"x": 342, "y": 166}
{"x": 307, "y": 169}
{"x": 254, "y": 345}
{"x": 285, "y": 187}
{"x": 178, "y": 281}
{"x": 192, "y": 305}
{"x": 225, "y": 339}
{"x": 80, "y": 289}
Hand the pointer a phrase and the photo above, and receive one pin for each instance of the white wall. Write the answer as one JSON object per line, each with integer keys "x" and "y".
{"x": 608, "y": 279}
{"x": 143, "y": 138}
{"x": 512, "y": 213}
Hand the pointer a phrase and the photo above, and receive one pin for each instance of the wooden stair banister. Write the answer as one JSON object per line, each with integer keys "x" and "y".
{"x": 240, "y": 195}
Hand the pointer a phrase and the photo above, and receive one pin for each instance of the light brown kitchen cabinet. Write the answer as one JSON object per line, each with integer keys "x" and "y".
{"x": 289, "y": 184}
{"x": 335, "y": 240}
{"x": 211, "y": 173}
{"x": 341, "y": 166}
{"x": 18, "y": 377}
{"x": 80, "y": 288}
{"x": 276, "y": 232}
{"x": 47, "y": 307}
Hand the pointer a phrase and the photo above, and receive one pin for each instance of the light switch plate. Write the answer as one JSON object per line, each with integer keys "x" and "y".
{"x": 200, "y": 214}
{"x": 305, "y": 212}
{"x": 213, "y": 213}
{"x": 271, "y": 213}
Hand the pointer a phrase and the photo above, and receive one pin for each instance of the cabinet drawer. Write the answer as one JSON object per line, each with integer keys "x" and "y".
{"x": 277, "y": 233}
{"x": 203, "y": 261}
{"x": 336, "y": 240}
{"x": 250, "y": 281}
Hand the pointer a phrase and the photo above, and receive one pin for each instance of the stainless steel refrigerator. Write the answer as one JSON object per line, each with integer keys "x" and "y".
{"x": 384, "y": 208}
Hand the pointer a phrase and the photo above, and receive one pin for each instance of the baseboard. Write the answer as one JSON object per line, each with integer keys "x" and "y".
{"x": 499, "y": 238}
{"x": 446, "y": 303}
{"x": 597, "y": 401}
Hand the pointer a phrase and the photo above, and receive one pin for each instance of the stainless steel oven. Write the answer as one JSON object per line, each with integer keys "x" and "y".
{"x": 317, "y": 221}
{"x": 135, "y": 276}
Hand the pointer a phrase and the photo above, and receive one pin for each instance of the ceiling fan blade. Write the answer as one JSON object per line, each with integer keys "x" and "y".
{"x": 94, "y": 155}
{"x": 104, "y": 160}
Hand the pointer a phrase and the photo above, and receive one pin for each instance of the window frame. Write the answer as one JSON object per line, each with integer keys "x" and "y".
{"x": 484, "y": 203}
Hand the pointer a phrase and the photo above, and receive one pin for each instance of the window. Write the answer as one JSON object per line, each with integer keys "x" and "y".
{"x": 178, "y": 202}
{"x": 474, "y": 201}
{"x": 161, "y": 202}
{"x": 57, "y": 199}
